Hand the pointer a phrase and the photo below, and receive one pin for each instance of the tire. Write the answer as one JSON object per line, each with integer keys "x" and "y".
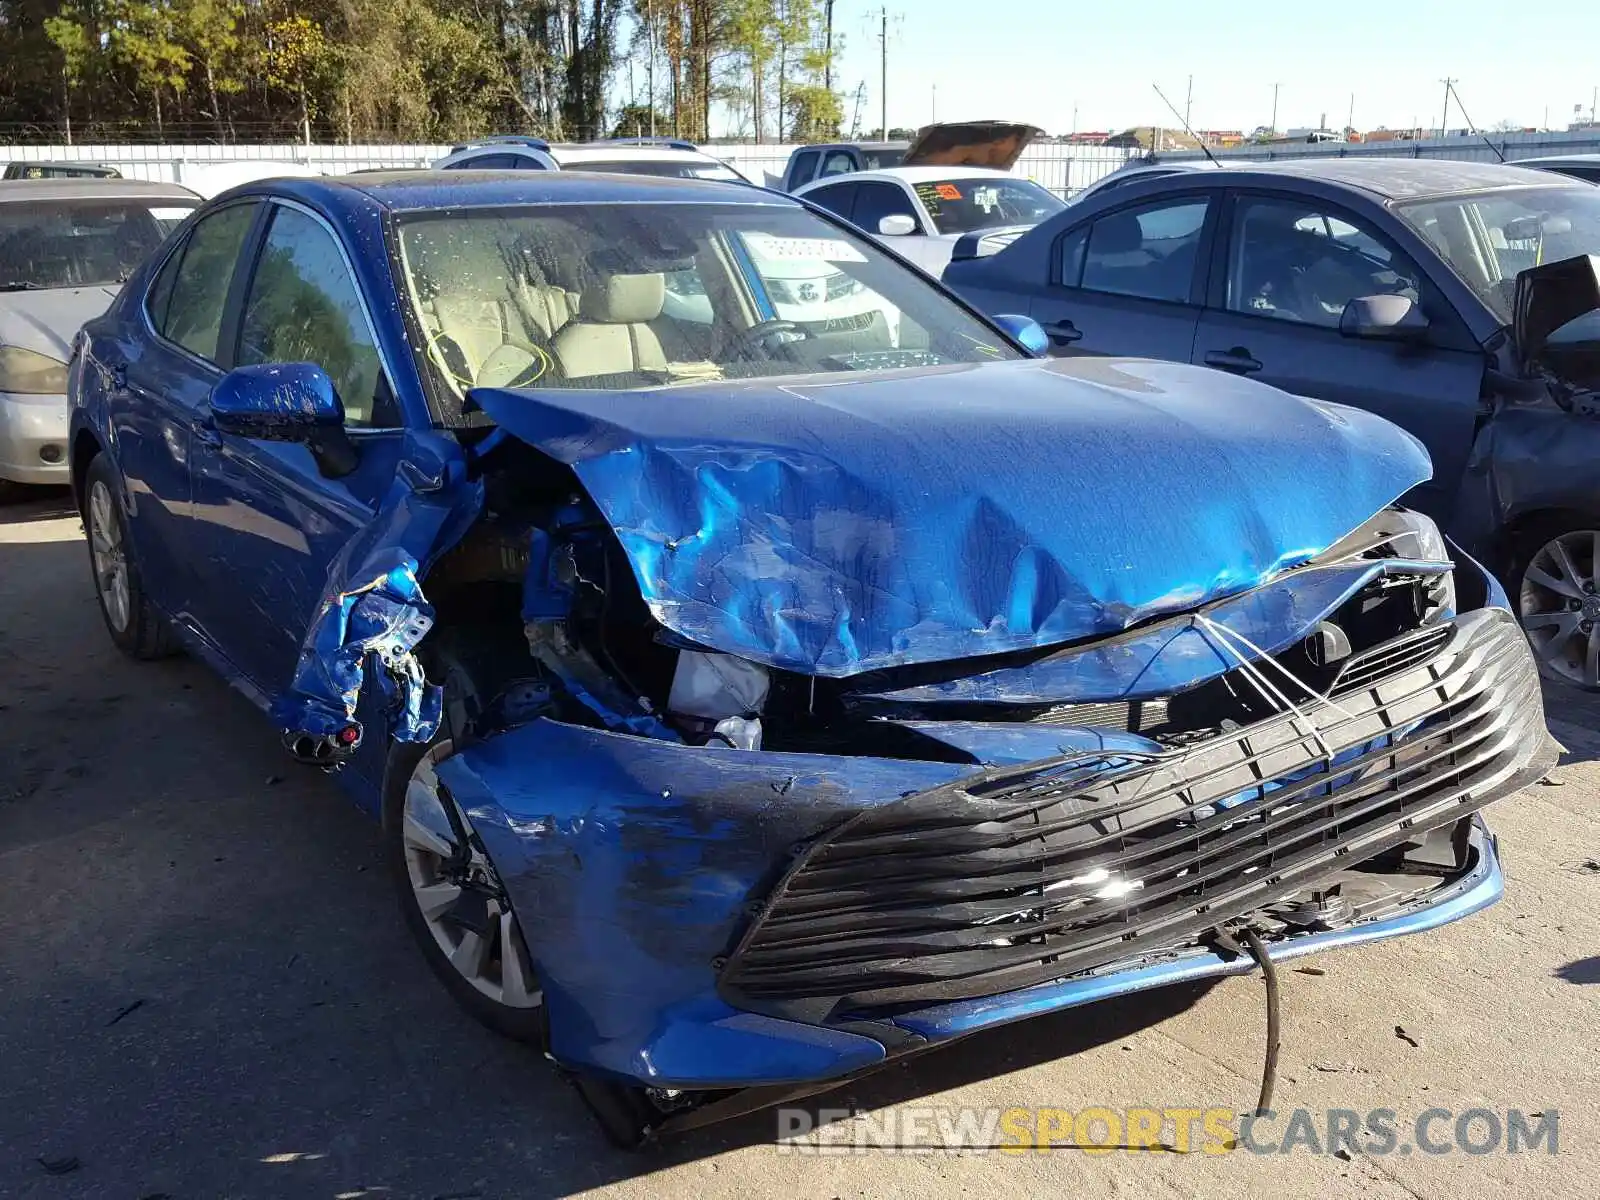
{"x": 136, "y": 627}
{"x": 408, "y": 860}
{"x": 1553, "y": 583}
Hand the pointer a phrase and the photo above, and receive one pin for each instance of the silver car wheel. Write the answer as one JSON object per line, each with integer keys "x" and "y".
{"x": 1560, "y": 606}
{"x": 110, "y": 558}
{"x": 460, "y": 896}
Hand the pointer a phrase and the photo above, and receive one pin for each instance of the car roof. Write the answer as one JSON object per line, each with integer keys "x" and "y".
{"x": 28, "y": 190}
{"x": 1554, "y": 160}
{"x": 911, "y": 175}
{"x": 627, "y": 153}
{"x": 854, "y": 145}
{"x": 1393, "y": 178}
{"x": 407, "y": 190}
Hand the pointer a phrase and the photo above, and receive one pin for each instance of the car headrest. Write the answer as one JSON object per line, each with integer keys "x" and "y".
{"x": 625, "y": 299}
{"x": 1118, "y": 235}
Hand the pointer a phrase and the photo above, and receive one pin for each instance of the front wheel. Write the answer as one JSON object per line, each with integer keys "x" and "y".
{"x": 1556, "y": 588}
{"x": 452, "y": 898}
{"x": 135, "y": 625}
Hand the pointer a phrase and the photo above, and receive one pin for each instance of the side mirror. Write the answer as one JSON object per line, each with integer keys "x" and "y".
{"x": 897, "y": 225}
{"x": 286, "y": 402}
{"x": 1551, "y": 299}
{"x": 276, "y": 402}
{"x": 1025, "y": 331}
{"x": 1392, "y": 318}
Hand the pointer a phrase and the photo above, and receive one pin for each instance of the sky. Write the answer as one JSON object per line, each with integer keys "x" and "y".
{"x": 1040, "y": 61}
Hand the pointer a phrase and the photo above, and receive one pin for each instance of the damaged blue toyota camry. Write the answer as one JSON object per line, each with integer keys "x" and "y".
{"x": 763, "y": 666}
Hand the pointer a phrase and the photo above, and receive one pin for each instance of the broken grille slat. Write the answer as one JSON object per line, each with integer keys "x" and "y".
{"x": 1227, "y": 855}
{"x": 907, "y": 904}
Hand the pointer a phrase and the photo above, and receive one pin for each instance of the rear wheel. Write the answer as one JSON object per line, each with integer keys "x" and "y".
{"x": 137, "y": 628}
{"x": 1556, "y": 588}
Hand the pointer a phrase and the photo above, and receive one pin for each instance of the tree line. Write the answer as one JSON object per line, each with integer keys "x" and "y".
{"x": 415, "y": 70}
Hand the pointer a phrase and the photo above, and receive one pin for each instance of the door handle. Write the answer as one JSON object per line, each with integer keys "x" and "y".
{"x": 119, "y": 376}
{"x": 1064, "y": 332}
{"x": 1238, "y": 360}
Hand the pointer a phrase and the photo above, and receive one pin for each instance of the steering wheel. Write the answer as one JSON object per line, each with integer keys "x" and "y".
{"x": 767, "y": 336}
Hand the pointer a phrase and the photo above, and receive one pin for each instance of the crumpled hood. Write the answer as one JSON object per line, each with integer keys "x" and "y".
{"x": 838, "y": 525}
{"x": 47, "y": 321}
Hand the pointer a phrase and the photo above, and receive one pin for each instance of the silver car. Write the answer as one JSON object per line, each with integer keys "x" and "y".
{"x": 66, "y": 245}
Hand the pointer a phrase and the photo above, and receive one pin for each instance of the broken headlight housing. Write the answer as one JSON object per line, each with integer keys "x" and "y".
{"x": 1404, "y": 533}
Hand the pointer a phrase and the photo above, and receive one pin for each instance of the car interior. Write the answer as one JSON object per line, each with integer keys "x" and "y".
{"x": 74, "y": 245}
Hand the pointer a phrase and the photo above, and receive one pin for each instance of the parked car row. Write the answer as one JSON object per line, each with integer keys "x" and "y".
{"x": 752, "y": 692}
{"x": 1458, "y": 300}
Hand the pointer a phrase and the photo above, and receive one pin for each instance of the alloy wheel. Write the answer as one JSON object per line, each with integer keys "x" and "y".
{"x": 459, "y": 895}
{"x": 110, "y": 557}
{"x": 1559, "y": 603}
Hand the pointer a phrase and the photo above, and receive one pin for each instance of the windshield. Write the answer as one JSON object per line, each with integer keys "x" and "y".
{"x": 79, "y": 243}
{"x": 984, "y": 202}
{"x": 687, "y": 169}
{"x": 634, "y": 296}
{"x": 1488, "y": 237}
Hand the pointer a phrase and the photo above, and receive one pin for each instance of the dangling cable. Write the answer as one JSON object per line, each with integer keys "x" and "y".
{"x": 1269, "y": 1069}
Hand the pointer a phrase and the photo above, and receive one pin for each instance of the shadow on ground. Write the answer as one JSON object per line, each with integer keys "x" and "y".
{"x": 208, "y": 987}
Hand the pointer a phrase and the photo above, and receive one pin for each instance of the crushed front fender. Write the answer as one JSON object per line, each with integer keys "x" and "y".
{"x": 373, "y": 607}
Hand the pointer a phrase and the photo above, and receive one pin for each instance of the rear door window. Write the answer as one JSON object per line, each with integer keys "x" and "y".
{"x": 1150, "y": 251}
{"x": 837, "y": 199}
{"x": 191, "y": 305}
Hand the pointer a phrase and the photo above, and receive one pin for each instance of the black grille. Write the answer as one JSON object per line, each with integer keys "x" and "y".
{"x": 1400, "y": 654}
{"x": 1022, "y": 875}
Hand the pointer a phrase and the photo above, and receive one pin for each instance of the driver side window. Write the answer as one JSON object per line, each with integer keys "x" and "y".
{"x": 303, "y": 306}
{"x": 1296, "y": 260}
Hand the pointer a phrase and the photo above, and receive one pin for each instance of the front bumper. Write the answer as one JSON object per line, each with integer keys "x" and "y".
{"x": 665, "y": 878}
{"x": 33, "y": 439}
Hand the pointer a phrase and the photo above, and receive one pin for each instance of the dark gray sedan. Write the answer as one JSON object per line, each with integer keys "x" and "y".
{"x": 1456, "y": 299}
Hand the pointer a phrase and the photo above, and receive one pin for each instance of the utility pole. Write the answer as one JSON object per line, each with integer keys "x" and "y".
{"x": 935, "y": 120}
{"x": 1273, "y": 129}
{"x": 1350, "y": 121}
{"x": 650, "y": 75}
{"x": 1188, "y": 99}
{"x": 1444, "y": 120}
{"x": 883, "y": 50}
{"x": 827, "y": 45}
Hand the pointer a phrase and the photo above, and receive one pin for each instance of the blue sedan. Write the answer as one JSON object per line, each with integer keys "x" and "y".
{"x": 751, "y": 700}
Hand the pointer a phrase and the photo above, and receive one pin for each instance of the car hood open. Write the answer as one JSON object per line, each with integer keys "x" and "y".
{"x": 996, "y": 144}
{"x": 837, "y": 525}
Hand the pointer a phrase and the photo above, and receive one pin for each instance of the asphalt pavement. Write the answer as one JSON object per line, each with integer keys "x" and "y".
{"x": 206, "y": 991}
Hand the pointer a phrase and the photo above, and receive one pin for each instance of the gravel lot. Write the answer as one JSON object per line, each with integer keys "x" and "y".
{"x": 205, "y": 989}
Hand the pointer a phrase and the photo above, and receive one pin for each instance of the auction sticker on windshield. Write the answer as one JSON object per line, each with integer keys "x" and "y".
{"x": 787, "y": 249}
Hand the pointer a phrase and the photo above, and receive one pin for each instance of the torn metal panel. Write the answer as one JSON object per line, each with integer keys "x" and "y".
{"x": 638, "y": 857}
{"x": 1167, "y": 656}
{"x": 1528, "y": 458}
{"x": 373, "y": 606}
{"x": 913, "y": 517}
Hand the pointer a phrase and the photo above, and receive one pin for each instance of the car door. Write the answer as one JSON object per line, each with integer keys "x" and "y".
{"x": 268, "y": 522}
{"x": 160, "y": 369}
{"x": 1130, "y": 281}
{"x": 1285, "y": 270}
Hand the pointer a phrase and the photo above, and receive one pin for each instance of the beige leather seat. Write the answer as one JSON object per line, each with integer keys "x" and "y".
{"x": 497, "y": 339}
{"x": 612, "y": 334}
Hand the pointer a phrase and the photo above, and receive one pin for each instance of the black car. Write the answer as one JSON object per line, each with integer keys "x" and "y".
{"x": 1457, "y": 299}
{"x": 60, "y": 170}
